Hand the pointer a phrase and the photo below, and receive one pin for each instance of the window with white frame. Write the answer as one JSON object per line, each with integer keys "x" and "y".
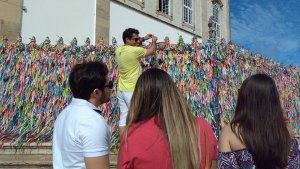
{"x": 216, "y": 21}
{"x": 216, "y": 12}
{"x": 187, "y": 11}
{"x": 164, "y": 6}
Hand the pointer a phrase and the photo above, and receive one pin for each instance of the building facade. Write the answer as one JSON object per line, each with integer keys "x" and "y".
{"x": 109, "y": 18}
{"x": 10, "y": 18}
{"x": 171, "y": 17}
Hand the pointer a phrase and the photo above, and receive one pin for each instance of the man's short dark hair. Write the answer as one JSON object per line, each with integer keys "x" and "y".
{"x": 128, "y": 33}
{"x": 86, "y": 77}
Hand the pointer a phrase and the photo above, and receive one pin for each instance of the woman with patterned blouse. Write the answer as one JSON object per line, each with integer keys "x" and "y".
{"x": 259, "y": 135}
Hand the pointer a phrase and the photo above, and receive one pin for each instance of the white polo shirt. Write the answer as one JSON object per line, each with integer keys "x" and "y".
{"x": 79, "y": 132}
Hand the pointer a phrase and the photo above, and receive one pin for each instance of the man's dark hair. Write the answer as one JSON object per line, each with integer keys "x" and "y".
{"x": 86, "y": 77}
{"x": 128, "y": 33}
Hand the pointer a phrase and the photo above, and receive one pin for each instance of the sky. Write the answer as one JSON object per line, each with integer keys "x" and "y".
{"x": 268, "y": 27}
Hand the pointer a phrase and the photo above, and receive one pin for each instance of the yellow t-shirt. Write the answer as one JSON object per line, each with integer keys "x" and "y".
{"x": 128, "y": 59}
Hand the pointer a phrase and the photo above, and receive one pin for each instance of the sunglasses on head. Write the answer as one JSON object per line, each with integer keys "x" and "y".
{"x": 110, "y": 85}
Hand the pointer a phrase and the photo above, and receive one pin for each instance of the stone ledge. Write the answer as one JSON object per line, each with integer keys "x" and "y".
{"x": 37, "y": 156}
{"x": 25, "y": 167}
{"x": 33, "y": 156}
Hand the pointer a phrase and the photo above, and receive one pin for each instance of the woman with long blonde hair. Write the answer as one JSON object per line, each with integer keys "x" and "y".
{"x": 161, "y": 131}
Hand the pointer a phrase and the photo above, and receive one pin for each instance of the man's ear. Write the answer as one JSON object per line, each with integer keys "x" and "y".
{"x": 126, "y": 40}
{"x": 96, "y": 93}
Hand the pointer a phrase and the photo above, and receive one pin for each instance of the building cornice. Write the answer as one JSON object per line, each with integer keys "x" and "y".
{"x": 217, "y": 1}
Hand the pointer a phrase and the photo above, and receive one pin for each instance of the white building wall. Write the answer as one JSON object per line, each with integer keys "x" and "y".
{"x": 53, "y": 18}
{"x": 226, "y": 20}
{"x": 197, "y": 16}
{"x": 122, "y": 17}
{"x": 222, "y": 16}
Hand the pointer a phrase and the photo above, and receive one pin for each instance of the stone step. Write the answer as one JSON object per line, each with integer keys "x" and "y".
{"x": 33, "y": 156}
{"x": 37, "y": 156}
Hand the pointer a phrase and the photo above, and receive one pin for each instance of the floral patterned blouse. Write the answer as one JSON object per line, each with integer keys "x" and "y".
{"x": 242, "y": 159}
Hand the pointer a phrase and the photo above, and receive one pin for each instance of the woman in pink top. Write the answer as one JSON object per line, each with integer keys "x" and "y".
{"x": 161, "y": 131}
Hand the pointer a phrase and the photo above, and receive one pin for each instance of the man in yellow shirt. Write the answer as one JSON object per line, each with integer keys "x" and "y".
{"x": 128, "y": 59}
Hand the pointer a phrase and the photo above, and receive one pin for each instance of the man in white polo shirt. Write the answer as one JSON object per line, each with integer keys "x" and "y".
{"x": 81, "y": 135}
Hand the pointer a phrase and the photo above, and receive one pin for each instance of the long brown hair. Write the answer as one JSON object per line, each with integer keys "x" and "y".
{"x": 156, "y": 94}
{"x": 259, "y": 122}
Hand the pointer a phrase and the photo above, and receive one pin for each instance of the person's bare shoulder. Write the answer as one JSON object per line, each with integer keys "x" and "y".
{"x": 224, "y": 145}
{"x": 229, "y": 141}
